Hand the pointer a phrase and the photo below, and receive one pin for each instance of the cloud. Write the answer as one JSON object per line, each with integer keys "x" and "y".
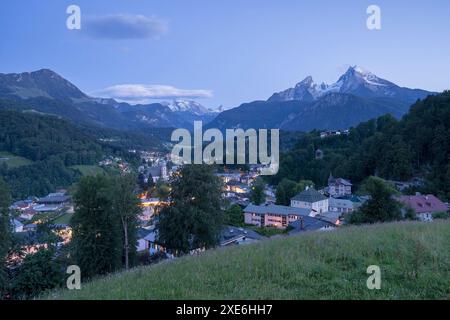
{"x": 124, "y": 26}
{"x": 141, "y": 93}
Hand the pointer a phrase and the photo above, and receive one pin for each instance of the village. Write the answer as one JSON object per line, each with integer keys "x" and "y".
{"x": 311, "y": 210}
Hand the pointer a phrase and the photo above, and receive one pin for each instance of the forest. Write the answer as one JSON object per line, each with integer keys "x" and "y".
{"x": 51, "y": 145}
{"x": 416, "y": 146}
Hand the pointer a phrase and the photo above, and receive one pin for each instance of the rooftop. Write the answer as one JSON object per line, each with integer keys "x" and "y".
{"x": 309, "y": 224}
{"x": 424, "y": 203}
{"x": 275, "y": 209}
{"x": 309, "y": 195}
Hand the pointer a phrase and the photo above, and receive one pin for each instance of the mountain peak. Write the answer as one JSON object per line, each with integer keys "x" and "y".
{"x": 40, "y": 83}
{"x": 307, "y": 82}
{"x": 186, "y": 106}
{"x": 356, "y": 80}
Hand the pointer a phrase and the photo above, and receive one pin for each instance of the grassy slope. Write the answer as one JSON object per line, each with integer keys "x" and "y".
{"x": 414, "y": 260}
{"x": 14, "y": 161}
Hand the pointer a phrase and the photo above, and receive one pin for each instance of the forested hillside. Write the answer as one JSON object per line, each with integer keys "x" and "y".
{"x": 418, "y": 145}
{"x": 51, "y": 146}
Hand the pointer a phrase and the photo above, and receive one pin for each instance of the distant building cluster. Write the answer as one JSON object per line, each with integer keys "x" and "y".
{"x": 332, "y": 133}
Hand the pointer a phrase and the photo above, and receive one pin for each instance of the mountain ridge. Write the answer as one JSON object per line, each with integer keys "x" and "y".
{"x": 357, "y": 96}
{"x": 46, "y": 91}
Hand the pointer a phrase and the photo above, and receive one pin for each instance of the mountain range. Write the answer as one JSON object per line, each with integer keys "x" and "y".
{"x": 45, "y": 91}
{"x": 357, "y": 96}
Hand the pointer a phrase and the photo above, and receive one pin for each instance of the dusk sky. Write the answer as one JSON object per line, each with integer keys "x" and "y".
{"x": 224, "y": 52}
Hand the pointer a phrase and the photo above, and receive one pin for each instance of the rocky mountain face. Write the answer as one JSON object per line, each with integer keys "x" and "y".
{"x": 357, "y": 96}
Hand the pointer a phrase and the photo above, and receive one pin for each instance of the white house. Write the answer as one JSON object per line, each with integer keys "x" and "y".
{"x": 338, "y": 187}
{"x": 340, "y": 205}
{"x": 310, "y": 199}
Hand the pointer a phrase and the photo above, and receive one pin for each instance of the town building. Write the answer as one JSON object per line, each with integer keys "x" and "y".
{"x": 237, "y": 236}
{"x": 340, "y": 205}
{"x": 338, "y": 187}
{"x": 312, "y": 200}
{"x": 273, "y": 215}
{"x": 424, "y": 205}
{"x": 306, "y": 223}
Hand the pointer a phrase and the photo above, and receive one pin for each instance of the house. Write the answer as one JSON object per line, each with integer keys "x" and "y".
{"x": 338, "y": 187}
{"x": 306, "y": 223}
{"x": 340, "y": 205}
{"x": 273, "y": 215}
{"x": 236, "y": 236}
{"x": 424, "y": 205}
{"x": 17, "y": 225}
{"x": 310, "y": 199}
{"x": 28, "y": 214}
{"x": 152, "y": 244}
{"x": 30, "y": 227}
{"x": 158, "y": 172}
{"x": 55, "y": 199}
{"x": 237, "y": 187}
{"x": 331, "y": 217}
{"x": 142, "y": 243}
{"x": 229, "y": 176}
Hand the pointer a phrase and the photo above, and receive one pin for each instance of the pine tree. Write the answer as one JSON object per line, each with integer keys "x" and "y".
{"x": 96, "y": 241}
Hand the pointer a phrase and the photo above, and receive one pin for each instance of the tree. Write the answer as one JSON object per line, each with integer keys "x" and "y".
{"x": 96, "y": 240}
{"x": 162, "y": 189}
{"x": 381, "y": 207}
{"x": 287, "y": 189}
{"x": 235, "y": 216}
{"x": 125, "y": 205}
{"x": 38, "y": 272}
{"x": 303, "y": 184}
{"x": 5, "y": 233}
{"x": 257, "y": 195}
{"x": 193, "y": 219}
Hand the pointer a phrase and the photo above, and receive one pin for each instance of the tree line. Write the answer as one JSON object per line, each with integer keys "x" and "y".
{"x": 415, "y": 146}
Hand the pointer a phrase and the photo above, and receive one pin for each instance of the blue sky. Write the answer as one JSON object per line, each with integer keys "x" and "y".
{"x": 225, "y": 52}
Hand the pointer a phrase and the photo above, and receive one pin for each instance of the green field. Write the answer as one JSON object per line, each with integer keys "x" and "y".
{"x": 414, "y": 259}
{"x": 64, "y": 219}
{"x": 13, "y": 161}
{"x": 88, "y": 170}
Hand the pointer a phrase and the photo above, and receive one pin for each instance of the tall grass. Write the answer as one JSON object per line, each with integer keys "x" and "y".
{"x": 414, "y": 260}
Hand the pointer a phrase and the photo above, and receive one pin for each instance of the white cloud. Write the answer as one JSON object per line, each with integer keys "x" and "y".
{"x": 142, "y": 93}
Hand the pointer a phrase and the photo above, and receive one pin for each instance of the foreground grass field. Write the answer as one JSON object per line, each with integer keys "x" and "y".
{"x": 414, "y": 259}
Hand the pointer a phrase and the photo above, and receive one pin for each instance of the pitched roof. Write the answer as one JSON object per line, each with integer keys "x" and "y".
{"x": 309, "y": 224}
{"x": 275, "y": 209}
{"x": 229, "y": 234}
{"x": 310, "y": 195}
{"x": 424, "y": 203}
{"x": 340, "y": 203}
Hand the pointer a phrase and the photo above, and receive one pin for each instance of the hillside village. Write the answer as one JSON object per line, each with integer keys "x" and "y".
{"x": 310, "y": 210}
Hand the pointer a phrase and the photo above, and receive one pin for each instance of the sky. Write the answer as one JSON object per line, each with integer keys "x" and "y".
{"x": 224, "y": 52}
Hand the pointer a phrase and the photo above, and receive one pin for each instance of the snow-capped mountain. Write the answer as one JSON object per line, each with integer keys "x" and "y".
{"x": 187, "y": 106}
{"x": 358, "y": 95}
{"x": 356, "y": 81}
